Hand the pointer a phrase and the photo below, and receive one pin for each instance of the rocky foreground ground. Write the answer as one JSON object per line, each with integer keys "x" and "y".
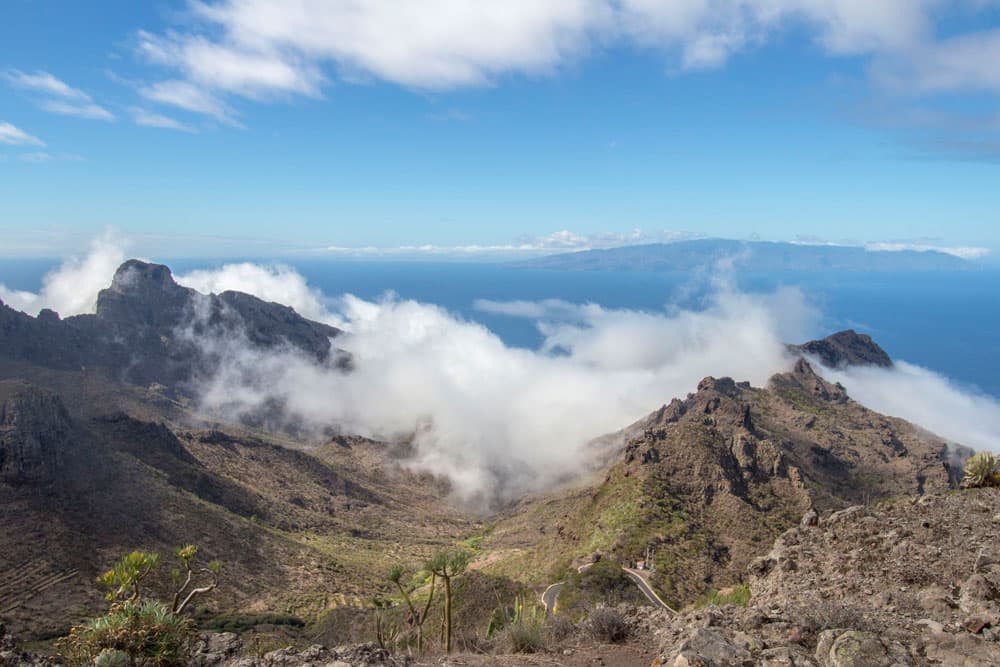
{"x": 913, "y": 581}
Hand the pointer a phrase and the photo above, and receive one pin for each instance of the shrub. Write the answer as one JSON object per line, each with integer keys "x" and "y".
{"x": 607, "y": 625}
{"x": 738, "y": 595}
{"x": 524, "y": 637}
{"x": 980, "y": 470}
{"x": 559, "y": 628}
{"x": 143, "y": 631}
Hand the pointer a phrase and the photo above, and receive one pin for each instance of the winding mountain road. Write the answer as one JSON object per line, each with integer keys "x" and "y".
{"x": 551, "y": 594}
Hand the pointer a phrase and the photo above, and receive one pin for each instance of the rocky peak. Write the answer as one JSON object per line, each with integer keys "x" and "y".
{"x": 804, "y": 378}
{"x": 145, "y": 295}
{"x": 845, "y": 348}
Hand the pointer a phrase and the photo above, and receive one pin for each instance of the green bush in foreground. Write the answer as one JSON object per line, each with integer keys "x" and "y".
{"x": 138, "y": 631}
{"x": 143, "y": 631}
{"x": 980, "y": 470}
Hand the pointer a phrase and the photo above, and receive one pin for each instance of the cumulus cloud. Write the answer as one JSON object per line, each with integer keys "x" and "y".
{"x": 259, "y": 48}
{"x": 926, "y": 398}
{"x": 277, "y": 283}
{"x": 72, "y": 288}
{"x": 9, "y": 134}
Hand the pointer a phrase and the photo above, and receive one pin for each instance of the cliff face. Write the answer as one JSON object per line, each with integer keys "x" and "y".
{"x": 35, "y": 435}
{"x": 142, "y": 330}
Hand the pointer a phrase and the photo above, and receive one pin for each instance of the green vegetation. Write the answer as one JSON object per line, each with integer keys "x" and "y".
{"x": 603, "y": 583}
{"x": 981, "y": 470}
{"x": 207, "y": 620}
{"x": 737, "y": 595}
{"x": 143, "y": 631}
{"x": 416, "y": 618}
{"x": 138, "y": 631}
{"x": 447, "y": 565}
{"x": 520, "y": 626}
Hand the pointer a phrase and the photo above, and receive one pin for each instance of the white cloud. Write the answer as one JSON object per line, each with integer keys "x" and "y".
{"x": 528, "y": 245}
{"x": 61, "y": 98}
{"x": 926, "y": 398}
{"x": 13, "y": 135}
{"x": 151, "y": 119}
{"x": 43, "y": 82}
{"x": 275, "y": 283}
{"x": 501, "y": 421}
{"x": 87, "y": 110}
{"x": 187, "y": 96}
{"x": 964, "y": 252}
{"x": 72, "y": 288}
{"x": 267, "y": 46}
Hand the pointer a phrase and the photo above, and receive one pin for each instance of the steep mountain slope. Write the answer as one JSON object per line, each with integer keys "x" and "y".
{"x": 298, "y": 531}
{"x": 706, "y": 483}
{"x": 101, "y": 453}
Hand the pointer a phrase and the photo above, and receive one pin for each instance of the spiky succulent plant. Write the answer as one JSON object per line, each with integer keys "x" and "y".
{"x": 980, "y": 470}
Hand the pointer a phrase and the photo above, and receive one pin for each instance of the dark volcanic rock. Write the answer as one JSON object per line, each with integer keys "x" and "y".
{"x": 846, "y": 348}
{"x": 148, "y": 329}
{"x": 35, "y": 434}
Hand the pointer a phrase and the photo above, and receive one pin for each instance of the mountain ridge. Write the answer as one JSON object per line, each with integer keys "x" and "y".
{"x": 701, "y": 254}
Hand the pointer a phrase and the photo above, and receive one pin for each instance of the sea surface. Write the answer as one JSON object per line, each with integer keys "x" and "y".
{"x": 948, "y": 322}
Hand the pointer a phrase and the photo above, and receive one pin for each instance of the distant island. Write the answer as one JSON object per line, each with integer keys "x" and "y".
{"x": 747, "y": 256}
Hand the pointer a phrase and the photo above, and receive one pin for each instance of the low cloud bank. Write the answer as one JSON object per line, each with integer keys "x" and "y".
{"x": 925, "y": 398}
{"x": 502, "y": 421}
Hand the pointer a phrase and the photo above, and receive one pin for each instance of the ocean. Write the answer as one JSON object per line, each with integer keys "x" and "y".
{"x": 948, "y": 322}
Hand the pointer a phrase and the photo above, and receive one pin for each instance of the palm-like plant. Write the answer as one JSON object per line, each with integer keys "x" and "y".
{"x": 980, "y": 470}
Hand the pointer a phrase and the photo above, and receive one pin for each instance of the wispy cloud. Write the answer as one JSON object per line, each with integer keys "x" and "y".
{"x": 965, "y": 252}
{"x": 60, "y": 97}
{"x": 560, "y": 241}
{"x": 87, "y": 110}
{"x": 10, "y": 134}
{"x": 151, "y": 119}
{"x": 187, "y": 96}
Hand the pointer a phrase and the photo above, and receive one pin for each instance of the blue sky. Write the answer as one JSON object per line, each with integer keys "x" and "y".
{"x": 248, "y": 127}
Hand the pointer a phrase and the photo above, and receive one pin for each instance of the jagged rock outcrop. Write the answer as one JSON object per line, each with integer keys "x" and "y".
{"x": 845, "y": 348}
{"x": 148, "y": 329}
{"x": 914, "y": 581}
{"x": 35, "y": 434}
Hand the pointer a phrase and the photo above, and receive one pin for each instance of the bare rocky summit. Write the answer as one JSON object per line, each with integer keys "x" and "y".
{"x": 845, "y": 348}
{"x": 148, "y": 329}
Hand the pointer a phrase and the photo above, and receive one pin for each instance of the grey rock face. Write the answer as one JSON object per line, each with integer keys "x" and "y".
{"x": 846, "y": 348}
{"x": 148, "y": 329}
{"x": 34, "y": 434}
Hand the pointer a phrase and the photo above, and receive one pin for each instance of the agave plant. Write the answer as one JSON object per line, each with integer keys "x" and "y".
{"x": 980, "y": 470}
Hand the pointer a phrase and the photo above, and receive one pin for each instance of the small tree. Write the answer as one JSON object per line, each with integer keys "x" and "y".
{"x": 124, "y": 580}
{"x": 210, "y": 572}
{"x": 396, "y": 577}
{"x": 448, "y": 564}
{"x": 138, "y": 631}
